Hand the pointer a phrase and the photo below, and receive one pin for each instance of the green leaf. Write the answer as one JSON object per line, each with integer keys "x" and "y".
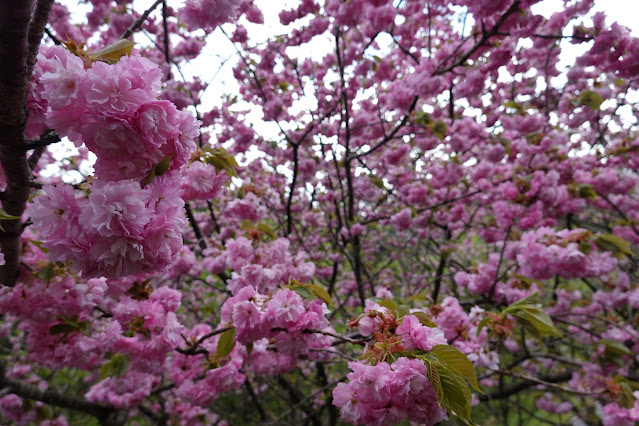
{"x": 585, "y": 190}
{"x": 423, "y": 119}
{"x": 377, "y": 181}
{"x": 226, "y": 343}
{"x": 512, "y": 104}
{"x": 117, "y": 366}
{"x": 613, "y": 243}
{"x": 627, "y": 397}
{"x": 267, "y": 230}
{"x": 46, "y": 274}
{"x": 63, "y": 328}
{"x": 221, "y": 159}
{"x": 159, "y": 169}
{"x": 249, "y": 348}
{"x": 163, "y": 166}
{"x": 38, "y": 244}
{"x": 424, "y": 319}
{"x": 6, "y": 216}
{"x": 44, "y": 412}
{"x": 591, "y": 99}
{"x": 483, "y": 323}
{"x": 538, "y": 319}
{"x": 402, "y": 311}
{"x": 456, "y": 394}
{"x": 439, "y": 129}
{"x": 531, "y": 299}
{"x": 452, "y": 358}
{"x": 319, "y": 292}
{"x": 304, "y": 292}
{"x": 614, "y": 348}
{"x": 116, "y": 50}
{"x": 388, "y": 304}
{"x": 246, "y": 225}
{"x": 433, "y": 378}
{"x": 149, "y": 177}
{"x": 69, "y": 325}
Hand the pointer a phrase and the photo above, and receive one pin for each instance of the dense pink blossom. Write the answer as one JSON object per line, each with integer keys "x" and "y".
{"x": 418, "y": 336}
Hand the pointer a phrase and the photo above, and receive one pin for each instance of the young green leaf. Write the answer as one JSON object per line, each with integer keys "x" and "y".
{"x": 531, "y": 299}
{"x": 591, "y": 99}
{"x": 456, "y": 394}
{"x": 433, "y": 378}
{"x": 115, "y": 51}
{"x": 424, "y": 319}
{"x": 319, "y": 292}
{"x": 221, "y": 159}
{"x": 452, "y": 358}
{"x": 226, "y": 343}
{"x": 163, "y": 166}
{"x": 613, "y": 243}
{"x": 614, "y": 348}
{"x": 303, "y": 291}
{"x": 538, "y": 319}
{"x": 267, "y": 230}
{"x": 439, "y": 129}
{"x": 6, "y": 216}
{"x": 423, "y": 119}
{"x": 402, "y": 311}
{"x": 388, "y": 304}
{"x": 63, "y": 328}
{"x": 46, "y": 274}
{"x": 117, "y": 366}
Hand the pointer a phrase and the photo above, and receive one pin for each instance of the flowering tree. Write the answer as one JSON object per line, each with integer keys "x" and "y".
{"x": 397, "y": 217}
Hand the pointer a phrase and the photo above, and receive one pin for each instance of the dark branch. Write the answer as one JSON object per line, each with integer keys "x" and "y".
{"x": 507, "y": 391}
{"x": 48, "y": 138}
{"x": 14, "y": 80}
{"x": 138, "y": 23}
{"x": 194, "y": 349}
{"x": 36, "y": 30}
{"x": 107, "y": 415}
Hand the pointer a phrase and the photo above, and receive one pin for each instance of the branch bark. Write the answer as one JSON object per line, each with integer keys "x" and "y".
{"x": 16, "y": 41}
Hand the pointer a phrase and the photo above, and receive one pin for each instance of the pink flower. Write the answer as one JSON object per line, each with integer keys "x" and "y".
{"x": 202, "y": 182}
{"x": 285, "y": 308}
{"x": 418, "y": 336}
{"x": 116, "y": 209}
{"x": 208, "y": 14}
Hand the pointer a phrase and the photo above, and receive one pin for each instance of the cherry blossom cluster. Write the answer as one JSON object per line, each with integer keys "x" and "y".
{"x": 130, "y": 218}
{"x": 485, "y": 194}
{"x": 384, "y": 394}
{"x": 202, "y": 182}
{"x": 115, "y": 229}
{"x": 112, "y": 109}
{"x": 208, "y": 14}
{"x": 264, "y": 266}
{"x": 284, "y": 317}
{"x": 544, "y": 253}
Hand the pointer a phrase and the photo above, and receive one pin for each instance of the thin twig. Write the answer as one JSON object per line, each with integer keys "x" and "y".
{"x": 138, "y": 23}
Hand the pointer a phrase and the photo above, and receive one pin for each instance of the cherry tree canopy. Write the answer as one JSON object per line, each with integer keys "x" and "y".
{"x": 407, "y": 211}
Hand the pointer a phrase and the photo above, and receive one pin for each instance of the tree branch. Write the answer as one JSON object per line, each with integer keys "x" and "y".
{"x": 520, "y": 386}
{"x": 106, "y": 415}
{"x": 138, "y": 23}
{"x": 36, "y": 30}
{"x": 14, "y": 81}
